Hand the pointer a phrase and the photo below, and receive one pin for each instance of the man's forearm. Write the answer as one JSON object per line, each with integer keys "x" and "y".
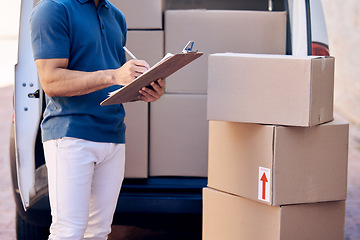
{"x": 58, "y": 81}
{"x": 68, "y": 83}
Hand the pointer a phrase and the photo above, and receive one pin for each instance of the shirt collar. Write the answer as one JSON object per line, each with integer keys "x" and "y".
{"x": 105, "y": 2}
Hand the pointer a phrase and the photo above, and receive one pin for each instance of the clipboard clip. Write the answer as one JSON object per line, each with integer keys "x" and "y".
{"x": 189, "y": 48}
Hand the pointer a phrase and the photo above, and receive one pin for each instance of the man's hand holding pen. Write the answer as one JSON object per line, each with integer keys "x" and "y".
{"x": 133, "y": 69}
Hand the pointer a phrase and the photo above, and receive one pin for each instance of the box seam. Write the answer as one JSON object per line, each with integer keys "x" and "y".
{"x": 311, "y": 91}
{"x": 272, "y": 167}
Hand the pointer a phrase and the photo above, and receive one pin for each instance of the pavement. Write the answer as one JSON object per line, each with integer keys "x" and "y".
{"x": 343, "y": 25}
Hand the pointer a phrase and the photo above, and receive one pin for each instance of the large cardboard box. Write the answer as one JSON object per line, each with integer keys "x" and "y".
{"x": 146, "y": 45}
{"x": 271, "y": 89}
{"x": 179, "y": 136}
{"x": 142, "y": 14}
{"x": 219, "y": 31}
{"x": 279, "y": 165}
{"x": 136, "y": 148}
{"x": 230, "y": 217}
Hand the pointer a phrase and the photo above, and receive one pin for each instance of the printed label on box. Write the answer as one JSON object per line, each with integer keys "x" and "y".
{"x": 264, "y": 184}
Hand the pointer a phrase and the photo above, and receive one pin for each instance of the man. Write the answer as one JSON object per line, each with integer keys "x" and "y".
{"x": 78, "y": 50}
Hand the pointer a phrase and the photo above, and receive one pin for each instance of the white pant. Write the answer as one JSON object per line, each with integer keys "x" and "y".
{"x": 84, "y": 184}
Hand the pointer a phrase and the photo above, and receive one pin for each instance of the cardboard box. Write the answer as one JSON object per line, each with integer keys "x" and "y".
{"x": 279, "y": 165}
{"x": 271, "y": 89}
{"x": 219, "y": 31}
{"x": 136, "y": 135}
{"x": 142, "y": 14}
{"x": 179, "y": 136}
{"x": 229, "y": 217}
{"x": 221, "y": 5}
{"x": 146, "y": 45}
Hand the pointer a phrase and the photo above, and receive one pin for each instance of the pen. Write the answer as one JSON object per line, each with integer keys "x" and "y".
{"x": 130, "y": 53}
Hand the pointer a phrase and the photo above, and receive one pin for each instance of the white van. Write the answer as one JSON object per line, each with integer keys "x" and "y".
{"x": 150, "y": 201}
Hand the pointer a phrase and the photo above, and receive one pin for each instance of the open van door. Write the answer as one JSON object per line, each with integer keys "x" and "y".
{"x": 308, "y": 28}
{"x": 32, "y": 177}
{"x": 300, "y": 27}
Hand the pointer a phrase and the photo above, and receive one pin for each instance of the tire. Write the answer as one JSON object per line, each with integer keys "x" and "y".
{"x": 28, "y": 231}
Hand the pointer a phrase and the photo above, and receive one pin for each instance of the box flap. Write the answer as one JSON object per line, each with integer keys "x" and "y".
{"x": 310, "y": 164}
{"x": 322, "y": 90}
{"x": 236, "y": 152}
{"x": 272, "y": 56}
{"x": 226, "y": 216}
{"x": 313, "y": 221}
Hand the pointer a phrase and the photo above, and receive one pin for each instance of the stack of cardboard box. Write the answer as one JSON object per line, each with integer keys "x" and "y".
{"x": 178, "y": 124}
{"x": 145, "y": 39}
{"x": 277, "y": 161}
{"x": 170, "y": 137}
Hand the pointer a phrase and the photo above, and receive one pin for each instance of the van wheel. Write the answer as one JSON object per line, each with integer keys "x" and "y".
{"x": 28, "y": 231}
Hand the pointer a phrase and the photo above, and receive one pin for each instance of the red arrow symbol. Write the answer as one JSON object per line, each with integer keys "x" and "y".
{"x": 264, "y": 180}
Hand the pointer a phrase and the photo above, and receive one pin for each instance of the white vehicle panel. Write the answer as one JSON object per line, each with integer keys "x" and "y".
{"x": 27, "y": 110}
{"x": 299, "y": 28}
{"x": 318, "y": 24}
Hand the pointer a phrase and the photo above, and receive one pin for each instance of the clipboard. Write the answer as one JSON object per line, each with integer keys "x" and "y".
{"x": 130, "y": 92}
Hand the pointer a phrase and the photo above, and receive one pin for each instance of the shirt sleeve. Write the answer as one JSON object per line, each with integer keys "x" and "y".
{"x": 49, "y": 30}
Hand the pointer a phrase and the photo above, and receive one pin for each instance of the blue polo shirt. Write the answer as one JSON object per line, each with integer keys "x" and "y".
{"x": 92, "y": 39}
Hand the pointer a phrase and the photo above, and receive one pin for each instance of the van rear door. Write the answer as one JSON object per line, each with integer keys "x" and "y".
{"x": 32, "y": 178}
